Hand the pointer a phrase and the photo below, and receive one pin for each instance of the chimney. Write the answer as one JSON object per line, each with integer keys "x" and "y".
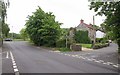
{"x": 82, "y": 21}
{"x": 90, "y": 24}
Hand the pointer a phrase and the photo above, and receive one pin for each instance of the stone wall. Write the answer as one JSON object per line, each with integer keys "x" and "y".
{"x": 76, "y": 47}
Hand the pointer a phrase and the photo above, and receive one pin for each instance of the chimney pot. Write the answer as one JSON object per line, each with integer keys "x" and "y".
{"x": 82, "y": 21}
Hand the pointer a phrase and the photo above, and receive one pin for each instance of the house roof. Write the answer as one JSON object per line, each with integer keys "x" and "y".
{"x": 89, "y": 26}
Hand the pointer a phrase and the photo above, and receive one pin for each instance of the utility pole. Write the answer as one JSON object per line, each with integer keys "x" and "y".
{"x": 94, "y": 37}
{"x": 12, "y": 33}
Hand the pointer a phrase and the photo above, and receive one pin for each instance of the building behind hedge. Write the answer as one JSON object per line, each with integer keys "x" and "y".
{"x": 87, "y": 27}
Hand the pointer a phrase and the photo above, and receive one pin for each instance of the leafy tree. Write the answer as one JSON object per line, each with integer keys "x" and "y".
{"x": 3, "y": 9}
{"x": 64, "y": 33}
{"x": 5, "y": 30}
{"x": 82, "y": 37}
{"x": 42, "y": 28}
{"x": 23, "y": 34}
{"x": 14, "y": 36}
{"x": 61, "y": 42}
{"x": 112, "y": 12}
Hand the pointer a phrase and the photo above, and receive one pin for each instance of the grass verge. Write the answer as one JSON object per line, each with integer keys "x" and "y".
{"x": 86, "y": 45}
{"x": 63, "y": 49}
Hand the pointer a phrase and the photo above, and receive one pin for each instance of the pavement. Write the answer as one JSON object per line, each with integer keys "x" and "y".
{"x": 21, "y": 57}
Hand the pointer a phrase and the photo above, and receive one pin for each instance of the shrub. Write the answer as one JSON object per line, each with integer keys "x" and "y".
{"x": 100, "y": 45}
{"x": 61, "y": 43}
{"x": 82, "y": 37}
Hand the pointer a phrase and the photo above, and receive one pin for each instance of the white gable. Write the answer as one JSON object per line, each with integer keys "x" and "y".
{"x": 81, "y": 27}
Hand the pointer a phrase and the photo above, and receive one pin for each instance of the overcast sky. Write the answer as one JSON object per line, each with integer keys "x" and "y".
{"x": 68, "y": 12}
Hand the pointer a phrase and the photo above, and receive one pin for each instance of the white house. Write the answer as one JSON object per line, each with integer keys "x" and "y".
{"x": 87, "y": 27}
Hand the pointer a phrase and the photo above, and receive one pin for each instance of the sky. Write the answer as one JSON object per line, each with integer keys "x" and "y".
{"x": 68, "y": 12}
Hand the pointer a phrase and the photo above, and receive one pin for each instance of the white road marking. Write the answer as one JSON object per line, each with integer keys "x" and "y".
{"x": 97, "y": 61}
{"x": 15, "y": 70}
{"x": 65, "y": 54}
{"x": 11, "y": 55}
{"x": 79, "y": 56}
{"x": 7, "y": 55}
{"x": 105, "y": 63}
{"x": 89, "y": 59}
{"x": 14, "y": 64}
{"x": 73, "y": 55}
{"x": 101, "y": 61}
{"x": 116, "y": 66}
{"x": 82, "y": 57}
{"x": 92, "y": 59}
{"x": 76, "y": 55}
{"x": 13, "y": 61}
{"x": 57, "y": 51}
{"x": 109, "y": 63}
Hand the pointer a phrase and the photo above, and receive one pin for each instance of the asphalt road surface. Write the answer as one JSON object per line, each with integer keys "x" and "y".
{"x": 22, "y": 57}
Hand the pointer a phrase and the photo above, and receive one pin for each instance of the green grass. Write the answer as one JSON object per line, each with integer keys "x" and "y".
{"x": 18, "y": 39}
{"x": 64, "y": 49}
{"x": 86, "y": 45}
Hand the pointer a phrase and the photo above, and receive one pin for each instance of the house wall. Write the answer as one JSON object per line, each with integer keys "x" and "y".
{"x": 82, "y": 27}
{"x": 91, "y": 32}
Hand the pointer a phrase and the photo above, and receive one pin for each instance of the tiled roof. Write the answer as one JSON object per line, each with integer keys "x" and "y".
{"x": 89, "y": 26}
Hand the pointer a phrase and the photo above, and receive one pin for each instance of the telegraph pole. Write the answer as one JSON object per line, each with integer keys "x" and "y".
{"x": 94, "y": 37}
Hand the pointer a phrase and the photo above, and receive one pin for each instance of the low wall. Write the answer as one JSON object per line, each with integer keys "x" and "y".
{"x": 76, "y": 47}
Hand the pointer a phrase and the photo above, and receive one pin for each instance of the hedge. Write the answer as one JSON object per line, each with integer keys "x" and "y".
{"x": 97, "y": 46}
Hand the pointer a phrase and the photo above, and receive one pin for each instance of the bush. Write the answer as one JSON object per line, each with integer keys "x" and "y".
{"x": 82, "y": 37}
{"x": 42, "y": 28}
{"x": 97, "y": 46}
{"x": 62, "y": 43}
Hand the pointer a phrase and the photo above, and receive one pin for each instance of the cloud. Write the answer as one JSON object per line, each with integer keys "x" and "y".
{"x": 68, "y": 12}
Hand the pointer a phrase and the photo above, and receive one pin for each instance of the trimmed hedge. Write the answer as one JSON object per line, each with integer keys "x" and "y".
{"x": 82, "y": 37}
{"x": 97, "y": 46}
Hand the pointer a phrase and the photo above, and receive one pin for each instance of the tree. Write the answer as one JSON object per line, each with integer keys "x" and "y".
{"x": 3, "y": 10}
{"x": 5, "y": 30}
{"x": 112, "y": 12}
{"x": 42, "y": 28}
{"x": 23, "y": 34}
{"x": 14, "y": 36}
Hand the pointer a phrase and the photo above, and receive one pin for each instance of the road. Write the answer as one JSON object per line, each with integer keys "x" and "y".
{"x": 22, "y": 57}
